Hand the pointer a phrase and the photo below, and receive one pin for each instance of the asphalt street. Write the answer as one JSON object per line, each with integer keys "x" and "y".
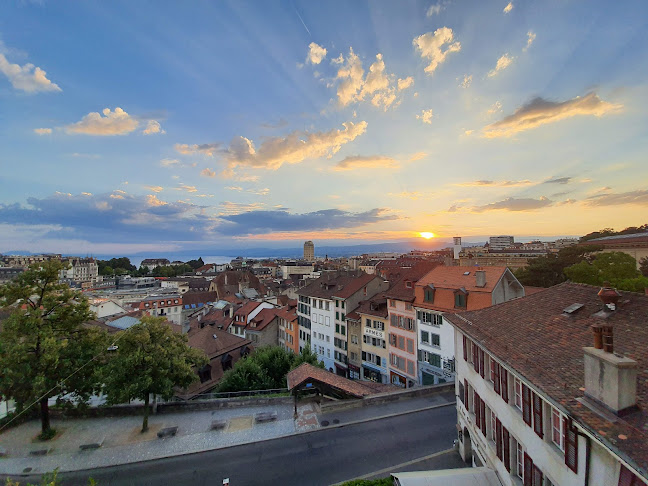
{"x": 323, "y": 457}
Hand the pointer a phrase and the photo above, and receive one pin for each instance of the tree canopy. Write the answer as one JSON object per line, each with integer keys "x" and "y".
{"x": 617, "y": 268}
{"x": 116, "y": 266}
{"x": 45, "y": 351}
{"x": 610, "y": 232}
{"x": 547, "y": 271}
{"x": 265, "y": 369}
{"x": 151, "y": 359}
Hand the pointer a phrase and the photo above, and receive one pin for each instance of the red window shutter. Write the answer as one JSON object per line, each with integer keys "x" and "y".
{"x": 466, "y": 393}
{"x": 496, "y": 376}
{"x": 504, "y": 387}
{"x": 506, "y": 441}
{"x": 537, "y": 476}
{"x": 571, "y": 445}
{"x": 626, "y": 478}
{"x": 475, "y": 357}
{"x": 498, "y": 438}
{"x": 481, "y": 362}
{"x": 537, "y": 414}
{"x": 482, "y": 411}
{"x": 476, "y": 409}
{"x": 528, "y": 471}
{"x": 465, "y": 348}
{"x": 526, "y": 405}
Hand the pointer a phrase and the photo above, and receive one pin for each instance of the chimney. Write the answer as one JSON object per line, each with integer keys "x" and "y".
{"x": 610, "y": 379}
{"x": 480, "y": 278}
{"x": 609, "y": 296}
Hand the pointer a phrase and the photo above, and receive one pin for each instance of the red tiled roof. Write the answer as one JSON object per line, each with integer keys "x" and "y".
{"x": 533, "y": 337}
{"x": 376, "y": 306}
{"x": 455, "y": 278}
{"x": 262, "y": 319}
{"x": 341, "y": 285}
{"x": 247, "y": 308}
{"x": 399, "y": 289}
{"x": 354, "y": 388}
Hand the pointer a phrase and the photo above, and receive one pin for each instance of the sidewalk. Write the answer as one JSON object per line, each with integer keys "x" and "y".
{"x": 122, "y": 442}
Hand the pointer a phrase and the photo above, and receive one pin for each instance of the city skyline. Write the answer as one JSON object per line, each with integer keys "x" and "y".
{"x": 129, "y": 129}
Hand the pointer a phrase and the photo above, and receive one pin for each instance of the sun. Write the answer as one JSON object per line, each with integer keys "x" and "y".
{"x": 427, "y": 235}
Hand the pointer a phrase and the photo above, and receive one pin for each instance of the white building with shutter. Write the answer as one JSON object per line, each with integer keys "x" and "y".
{"x": 544, "y": 400}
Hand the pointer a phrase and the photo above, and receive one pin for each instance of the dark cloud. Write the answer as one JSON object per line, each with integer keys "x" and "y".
{"x": 514, "y": 204}
{"x": 558, "y": 180}
{"x": 632, "y": 197}
{"x": 259, "y": 222}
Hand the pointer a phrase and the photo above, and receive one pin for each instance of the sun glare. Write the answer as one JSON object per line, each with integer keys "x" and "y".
{"x": 427, "y": 235}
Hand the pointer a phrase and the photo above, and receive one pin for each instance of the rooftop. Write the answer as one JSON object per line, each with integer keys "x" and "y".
{"x": 458, "y": 277}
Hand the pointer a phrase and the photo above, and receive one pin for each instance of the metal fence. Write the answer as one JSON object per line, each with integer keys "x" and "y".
{"x": 237, "y": 394}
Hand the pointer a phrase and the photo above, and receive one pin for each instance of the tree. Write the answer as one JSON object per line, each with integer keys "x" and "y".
{"x": 265, "y": 369}
{"x": 45, "y": 351}
{"x": 643, "y": 266}
{"x": 630, "y": 230}
{"x": 122, "y": 263}
{"x": 546, "y": 271}
{"x": 151, "y": 359}
{"x": 617, "y": 268}
{"x": 196, "y": 263}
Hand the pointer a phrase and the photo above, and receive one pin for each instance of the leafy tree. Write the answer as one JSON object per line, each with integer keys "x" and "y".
{"x": 196, "y": 263}
{"x": 617, "y": 268}
{"x": 45, "y": 351}
{"x": 265, "y": 369}
{"x": 123, "y": 263}
{"x": 610, "y": 232}
{"x": 643, "y": 266}
{"x": 151, "y": 359}
{"x": 547, "y": 271}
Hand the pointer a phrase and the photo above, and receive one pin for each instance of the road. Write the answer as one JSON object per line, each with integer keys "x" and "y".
{"x": 319, "y": 458}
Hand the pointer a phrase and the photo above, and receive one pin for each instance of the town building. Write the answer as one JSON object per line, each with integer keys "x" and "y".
{"x": 231, "y": 283}
{"x": 26, "y": 260}
{"x": 289, "y": 327}
{"x": 263, "y": 329}
{"x": 496, "y": 243}
{"x": 635, "y": 245}
{"x": 288, "y": 269}
{"x": 168, "y": 306}
{"x": 553, "y": 388}
{"x": 374, "y": 323}
{"x": 245, "y": 314}
{"x": 7, "y": 274}
{"x": 150, "y": 263}
{"x": 79, "y": 270}
{"x": 309, "y": 251}
{"x": 448, "y": 289}
{"x": 105, "y": 307}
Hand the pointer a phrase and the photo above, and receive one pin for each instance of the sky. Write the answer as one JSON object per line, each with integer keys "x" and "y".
{"x": 163, "y": 126}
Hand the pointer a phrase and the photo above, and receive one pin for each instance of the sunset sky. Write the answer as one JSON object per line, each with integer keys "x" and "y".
{"x": 140, "y": 126}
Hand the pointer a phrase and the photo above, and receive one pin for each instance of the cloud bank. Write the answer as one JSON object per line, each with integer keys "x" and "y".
{"x": 27, "y": 78}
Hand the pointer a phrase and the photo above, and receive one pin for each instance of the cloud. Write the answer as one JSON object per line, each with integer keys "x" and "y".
{"x": 316, "y": 53}
{"x": 116, "y": 122}
{"x": 514, "y": 204}
{"x": 431, "y": 47}
{"x": 27, "y": 78}
{"x": 152, "y": 127}
{"x": 291, "y": 149}
{"x": 278, "y": 124}
{"x": 434, "y": 10}
{"x": 42, "y": 131}
{"x": 366, "y": 162}
{"x": 508, "y": 8}
{"x": 246, "y": 178}
{"x": 540, "y": 112}
{"x": 154, "y": 188}
{"x": 85, "y": 156}
{"x": 259, "y": 192}
{"x": 530, "y": 38}
{"x": 206, "y": 149}
{"x": 467, "y": 81}
{"x": 414, "y": 195}
{"x": 488, "y": 183}
{"x": 566, "y": 202}
{"x": 417, "y": 156}
{"x": 639, "y": 197}
{"x": 230, "y": 208}
{"x": 260, "y": 222}
{"x": 405, "y": 83}
{"x": 558, "y": 180}
{"x": 169, "y": 162}
{"x": 495, "y": 108}
{"x": 234, "y": 188}
{"x": 207, "y": 172}
{"x": 185, "y": 187}
{"x": 502, "y": 63}
{"x": 425, "y": 116}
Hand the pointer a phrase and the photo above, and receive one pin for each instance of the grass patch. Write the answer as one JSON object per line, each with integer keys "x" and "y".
{"x": 49, "y": 434}
{"x": 370, "y": 482}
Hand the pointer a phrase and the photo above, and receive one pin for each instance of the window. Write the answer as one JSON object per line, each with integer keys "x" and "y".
{"x": 343, "y": 329}
{"x": 337, "y": 303}
{"x": 328, "y": 352}
{"x": 492, "y": 369}
{"x": 342, "y": 318}
{"x": 460, "y": 300}
{"x": 354, "y": 339}
{"x": 410, "y": 367}
{"x": 557, "y": 429}
{"x": 326, "y": 305}
{"x": 425, "y": 337}
{"x": 328, "y": 339}
{"x": 436, "y": 340}
{"x": 518, "y": 393}
{"x": 428, "y": 294}
{"x": 434, "y": 360}
{"x": 519, "y": 469}
{"x": 401, "y": 342}
{"x": 493, "y": 428}
{"x": 408, "y": 306}
{"x": 410, "y": 345}
{"x": 337, "y": 328}
{"x": 337, "y": 314}
{"x": 392, "y": 303}
{"x": 368, "y": 323}
{"x": 343, "y": 308}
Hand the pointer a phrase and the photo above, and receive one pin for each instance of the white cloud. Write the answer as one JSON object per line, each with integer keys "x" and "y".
{"x": 366, "y": 162}
{"x": 508, "y": 8}
{"x": 530, "y": 38}
{"x": 169, "y": 162}
{"x": 42, "y": 131}
{"x": 152, "y": 127}
{"x": 351, "y": 74}
{"x": 502, "y": 63}
{"x": 425, "y": 116}
{"x": 291, "y": 149}
{"x": 495, "y": 108}
{"x": 405, "y": 83}
{"x": 154, "y": 188}
{"x": 206, "y": 149}
{"x": 185, "y": 187}
{"x": 431, "y": 47}
{"x": 467, "y": 81}
{"x": 28, "y": 78}
{"x": 207, "y": 172}
{"x": 540, "y": 112}
{"x": 417, "y": 156}
{"x": 316, "y": 53}
{"x": 338, "y": 60}
{"x": 116, "y": 122}
{"x": 434, "y": 10}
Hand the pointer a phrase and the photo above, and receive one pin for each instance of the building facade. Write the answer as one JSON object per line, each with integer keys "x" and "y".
{"x": 309, "y": 251}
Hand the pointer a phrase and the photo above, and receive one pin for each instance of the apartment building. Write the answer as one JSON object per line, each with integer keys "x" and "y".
{"x": 288, "y": 328}
{"x": 79, "y": 270}
{"x": 374, "y": 322}
{"x": 448, "y": 289}
{"x": 244, "y": 314}
{"x": 167, "y": 306}
{"x": 553, "y": 388}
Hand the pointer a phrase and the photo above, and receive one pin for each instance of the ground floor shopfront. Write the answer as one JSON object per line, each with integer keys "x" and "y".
{"x": 433, "y": 375}
{"x": 374, "y": 373}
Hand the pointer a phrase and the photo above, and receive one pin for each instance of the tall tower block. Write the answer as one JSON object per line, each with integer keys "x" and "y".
{"x": 309, "y": 251}
{"x": 456, "y": 246}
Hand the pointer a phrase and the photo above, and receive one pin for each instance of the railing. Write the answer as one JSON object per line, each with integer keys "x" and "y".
{"x": 237, "y": 394}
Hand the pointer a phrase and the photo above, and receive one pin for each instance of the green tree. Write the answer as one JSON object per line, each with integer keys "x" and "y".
{"x": 45, "y": 351}
{"x": 547, "y": 271}
{"x": 617, "y": 268}
{"x": 265, "y": 369}
{"x": 643, "y": 266}
{"x": 151, "y": 359}
{"x": 196, "y": 263}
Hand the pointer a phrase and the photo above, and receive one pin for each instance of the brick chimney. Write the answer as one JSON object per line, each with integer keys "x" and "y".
{"x": 480, "y": 278}
{"x": 610, "y": 379}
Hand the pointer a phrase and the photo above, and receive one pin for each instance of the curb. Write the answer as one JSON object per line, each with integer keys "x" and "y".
{"x": 63, "y": 472}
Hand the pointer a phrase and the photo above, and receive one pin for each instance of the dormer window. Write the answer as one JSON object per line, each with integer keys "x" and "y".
{"x": 408, "y": 284}
{"x": 428, "y": 293}
{"x": 460, "y": 298}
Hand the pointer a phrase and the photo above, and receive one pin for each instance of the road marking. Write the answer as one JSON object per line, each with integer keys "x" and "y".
{"x": 397, "y": 466}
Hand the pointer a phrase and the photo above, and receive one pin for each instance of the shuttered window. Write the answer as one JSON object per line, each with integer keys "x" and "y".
{"x": 481, "y": 363}
{"x": 537, "y": 414}
{"x": 571, "y": 445}
{"x": 527, "y": 480}
{"x": 465, "y": 348}
{"x": 477, "y": 408}
{"x": 498, "y": 438}
{"x": 482, "y": 412}
{"x": 626, "y": 478}
{"x": 466, "y": 394}
{"x": 504, "y": 384}
{"x": 475, "y": 357}
{"x": 537, "y": 476}
{"x": 506, "y": 443}
{"x": 526, "y": 405}
{"x": 496, "y": 376}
